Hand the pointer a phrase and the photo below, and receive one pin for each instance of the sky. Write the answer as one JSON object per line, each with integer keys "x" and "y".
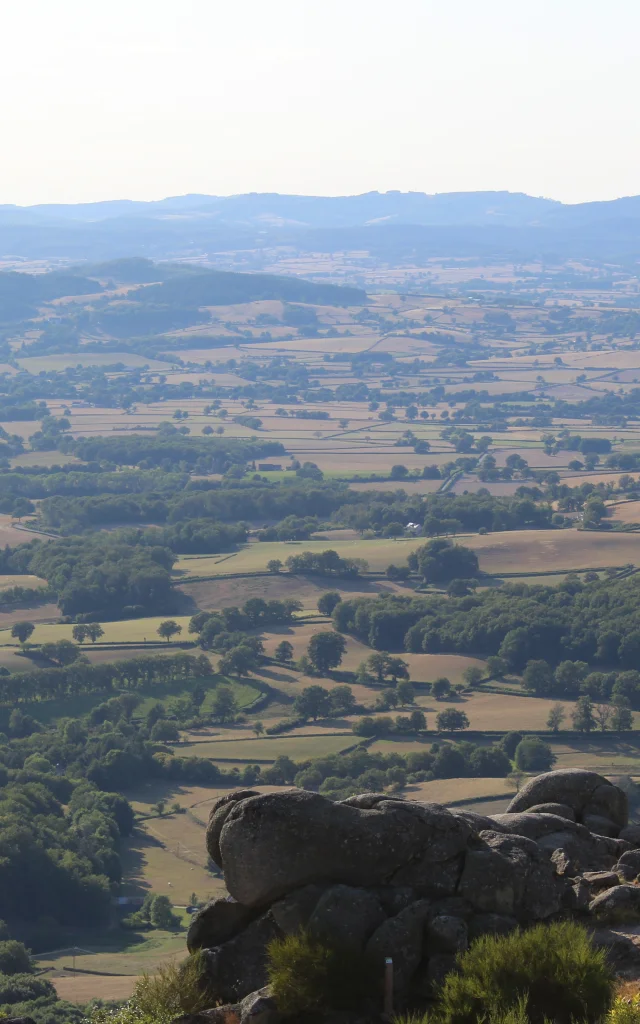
{"x": 142, "y": 99}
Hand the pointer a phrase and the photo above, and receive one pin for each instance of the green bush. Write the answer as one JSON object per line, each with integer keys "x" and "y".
{"x": 308, "y": 976}
{"x": 553, "y": 968}
{"x": 175, "y": 989}
{"x": 14, "y": 958}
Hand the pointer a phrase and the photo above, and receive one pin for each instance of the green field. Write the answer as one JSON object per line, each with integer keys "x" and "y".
{"x": 253, "y": 557}
{"x": 49, "y": 711}
{"x": 298, "y": 748}
{"x": 21, "y": 581}
{"x": 123, "y": 631}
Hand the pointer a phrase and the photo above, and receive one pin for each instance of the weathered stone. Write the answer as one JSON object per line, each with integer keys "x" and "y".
{"x": 346, "y": 917}
{"x": 631, "y": 858}
{"x": 583, "y": 791}
{"x": 490, "y": 924}
{"x": 538, "y": 824}
{"x": 227, "y": 1014}
{"x": 570, "y": 854}
{"x": 622, "y": 953}
{"x": 630, "y": 834}
{"x": 394, "y": 898}
{"x": 609, "y": 802}
{"x": 292, "y": 912}
{"x": 509, "y": 874}
{"x": 601, "y": 879}
{"x": 561, "y": 810}
{"x": 276, "y": 842}
{"x": 477, "y": 822}
{"x": 239, "y": 967}
{"x": 451, "y": 906}
{"x": 217, "y": 817}
{"x": 401, "y": 938}
{"x": 216, "y": 923}
{"x": 600, "y": 826}
{"x": 620, "y": 903}
{"x": 626, "y": 872}
{"x": 446, "y": 934}
{"x": 259, "y": 1008}
{"x": 429, "y": 879}
{"x": 438, "y": 966}
{"x": 577, "y": 896}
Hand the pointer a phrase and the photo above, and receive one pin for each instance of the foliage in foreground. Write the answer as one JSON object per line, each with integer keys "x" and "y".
{"x": 547, "y": 973}
{"x": 553, "y": 970}
{"x": 306, "y": 975}
{"x": 175, "y": 989}
{"x": 623, "y": 1011}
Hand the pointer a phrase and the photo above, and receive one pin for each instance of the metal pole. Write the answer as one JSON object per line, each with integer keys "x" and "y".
{"x": 388, "y": 985}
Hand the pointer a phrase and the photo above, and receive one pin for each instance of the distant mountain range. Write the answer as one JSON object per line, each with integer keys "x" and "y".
{"x": 391, "y": 224}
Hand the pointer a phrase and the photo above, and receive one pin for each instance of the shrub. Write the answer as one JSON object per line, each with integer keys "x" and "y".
{"x": 625, "y": 1011}
{"x": 308, "y": 976}
{"x": 14, "y": 958}
{"x": 173, "y": 990}
{"x": 554, "y": 968}
{"x": 534, "y": 755}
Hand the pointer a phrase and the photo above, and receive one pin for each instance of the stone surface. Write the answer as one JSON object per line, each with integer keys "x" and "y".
{"x": 609, "y": 802}
{"x": 276, "y": 842}
{"x": 538, "y": 824}
{"x": 429, "y": 879}
{"x": 438, "y": 967}
{"x": 292, "y": 912}
{"x": 490, "y": 924}
{"x": 631, "y": 858}
{"x": 345, "y": 917}
{"x": 510, "y": 875}
{"x": 601, "y": 879}
{"x": 446, "y": 934}
{"x": 216, "y": 923}
{"x": 411, "y": 881}
{"x": 577, "y": 896}
{"x": 620, "y": 903}
{"x": 239, "y": 967}
{"x": 561, "y": 810}
{"x": 631, "y": 834}
{"x": 600, "y": 825}
{"x": 622, "y": 952}
{"x": 585, "y": 792}
{"x": 259, "y": 1008}
{"x": 477, "y": 822}
{"x": 394, "y": 898}
{"x": 401, "y": 938}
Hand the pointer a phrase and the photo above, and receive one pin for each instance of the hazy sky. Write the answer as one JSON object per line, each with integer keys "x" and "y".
{"x": 147, "y": 98}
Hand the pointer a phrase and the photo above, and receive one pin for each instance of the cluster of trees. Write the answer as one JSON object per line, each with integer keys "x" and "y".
{"x": 594, "y": 622}
{"x": 170, "y": 451}
{"x": 100, "y": 576}
{"x": 573, "y": 679}
{"x": 55, "y": 863}
{"x": 362, "y": 770}
{"x": 290, "y": 528}
{"x": 213, "y": 628}
{"x": 445, "y": 513}
{"x": 440, "y": 561}
{"x": 104, "y": 677}
{"x": 26, "y": 994}
{"x": 325, "y": 563}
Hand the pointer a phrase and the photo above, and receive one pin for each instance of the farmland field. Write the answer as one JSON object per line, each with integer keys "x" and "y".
{"x": 468, "y": 401}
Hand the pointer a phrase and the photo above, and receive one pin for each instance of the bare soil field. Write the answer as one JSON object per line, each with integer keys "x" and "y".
{"x": 625, "y": 512}
{"x": 522, "y": 550}
{"x": 220, "y": 593}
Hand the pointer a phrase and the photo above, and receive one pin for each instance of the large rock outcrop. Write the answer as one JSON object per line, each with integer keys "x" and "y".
{"x": 383, "y": 877}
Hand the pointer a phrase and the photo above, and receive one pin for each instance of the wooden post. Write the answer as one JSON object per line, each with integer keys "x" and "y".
{"x": 388, "y": 986}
